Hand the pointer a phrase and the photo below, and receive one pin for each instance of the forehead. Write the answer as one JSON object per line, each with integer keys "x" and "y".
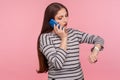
{"x": 61, "y": 12}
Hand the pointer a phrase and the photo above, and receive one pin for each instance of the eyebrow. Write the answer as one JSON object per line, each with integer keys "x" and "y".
{"x": 60, "y": 16}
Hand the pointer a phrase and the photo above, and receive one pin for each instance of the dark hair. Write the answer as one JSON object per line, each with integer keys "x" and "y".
{"x": 50, "y": 13}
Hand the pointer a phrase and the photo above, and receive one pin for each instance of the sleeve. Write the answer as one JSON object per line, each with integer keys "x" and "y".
{"x": 55, "y": 56}
{"x": 89, "y": 38}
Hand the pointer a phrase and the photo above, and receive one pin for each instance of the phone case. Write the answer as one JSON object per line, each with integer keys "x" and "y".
{"x": 52, "y": 22}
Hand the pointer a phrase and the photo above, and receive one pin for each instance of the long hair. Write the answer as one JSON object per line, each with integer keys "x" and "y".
{"x": 50, "y": 13}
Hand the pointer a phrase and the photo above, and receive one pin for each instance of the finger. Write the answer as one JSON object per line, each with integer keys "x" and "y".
{"x": 92, "y": 58}
{"x": 55, "y": 25}
{"x": 89, "y": 60}
{"x": 58, "y": 26}
{"x": 95, "y": 61}
{"x": 55, "y": 28}
{"x": 95, "y": 58}
{"x": 63, "y": 28}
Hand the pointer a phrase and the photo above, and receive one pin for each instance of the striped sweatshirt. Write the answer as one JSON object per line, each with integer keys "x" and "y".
{"x": 65, "y": 65}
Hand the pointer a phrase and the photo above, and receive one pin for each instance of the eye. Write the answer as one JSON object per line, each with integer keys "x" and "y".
{"x": 59, "y": 18}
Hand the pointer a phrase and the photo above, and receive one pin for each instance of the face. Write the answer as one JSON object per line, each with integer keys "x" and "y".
{"x": 62, "y": 17}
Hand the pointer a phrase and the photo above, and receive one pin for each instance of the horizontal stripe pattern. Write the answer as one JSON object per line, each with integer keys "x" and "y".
{"x": 88, "y": 38}
{"x": 65, "y": 65}
{"x": 63, "y": 75}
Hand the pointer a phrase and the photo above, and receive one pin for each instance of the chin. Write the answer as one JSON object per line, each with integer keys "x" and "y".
{"x": 65, "y": 26}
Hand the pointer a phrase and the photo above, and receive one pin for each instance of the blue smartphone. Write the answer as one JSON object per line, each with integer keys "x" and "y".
{"x": 52, "y": 22}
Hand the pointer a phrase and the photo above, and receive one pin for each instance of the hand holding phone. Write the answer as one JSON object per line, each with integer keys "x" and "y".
{"x": 53, "y": 23}
{"x": 61, "y": 32}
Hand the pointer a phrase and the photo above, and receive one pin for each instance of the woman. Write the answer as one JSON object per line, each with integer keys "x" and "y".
{"x": 58, "y": 47}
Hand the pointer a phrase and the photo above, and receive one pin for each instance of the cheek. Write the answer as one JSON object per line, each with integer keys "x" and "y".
{"x": 59, "y": 21}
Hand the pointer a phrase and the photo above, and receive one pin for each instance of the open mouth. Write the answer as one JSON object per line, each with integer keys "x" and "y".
{"x": 65, "y": 24}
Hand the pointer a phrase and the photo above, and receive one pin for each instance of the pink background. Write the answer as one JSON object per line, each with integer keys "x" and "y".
{"x": 20, "y": 24}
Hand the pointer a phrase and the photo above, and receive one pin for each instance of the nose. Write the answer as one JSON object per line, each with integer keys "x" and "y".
{"x": 65, "y": 20}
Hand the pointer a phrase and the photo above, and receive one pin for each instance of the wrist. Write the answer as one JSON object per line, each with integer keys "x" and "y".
{"x": 95, "y": 49}
{"x": 65, "y": 38}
